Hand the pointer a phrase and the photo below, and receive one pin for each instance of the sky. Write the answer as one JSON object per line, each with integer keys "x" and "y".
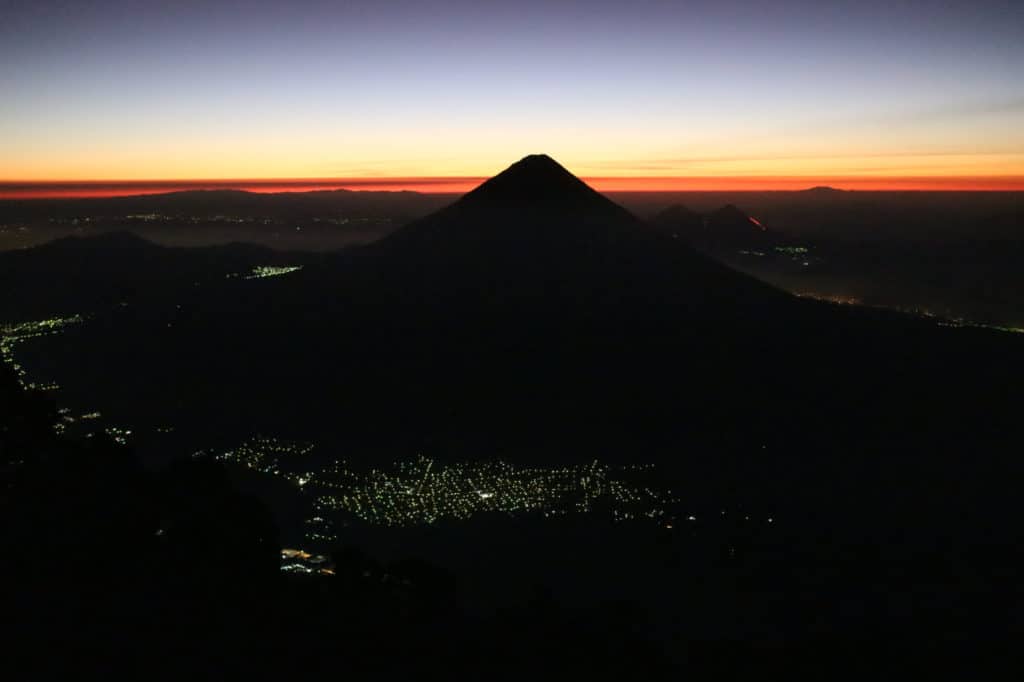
{"x": 646, "y": 94}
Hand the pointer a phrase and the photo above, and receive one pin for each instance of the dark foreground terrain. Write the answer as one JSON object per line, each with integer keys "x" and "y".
{"x": 526, "y": 435}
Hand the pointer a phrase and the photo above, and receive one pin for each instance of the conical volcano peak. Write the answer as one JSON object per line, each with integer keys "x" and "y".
{"x": 534, "y": 204}
{"x": 536, "y": 166}
{"x": 538, "y": 161}
{"x": 536, "y": 177}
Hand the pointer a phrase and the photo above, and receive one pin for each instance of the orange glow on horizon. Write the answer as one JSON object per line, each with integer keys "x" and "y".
{"x": 1011, "y": 183}
{"x": 461, "y": 185}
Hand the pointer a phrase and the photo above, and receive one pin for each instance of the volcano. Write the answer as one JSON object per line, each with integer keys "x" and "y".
{"x": 534, "y": 237}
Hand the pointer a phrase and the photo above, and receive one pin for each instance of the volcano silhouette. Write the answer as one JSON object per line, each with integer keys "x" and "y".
{"x": 539, "y": 178}
{"x": 536, "y": 236}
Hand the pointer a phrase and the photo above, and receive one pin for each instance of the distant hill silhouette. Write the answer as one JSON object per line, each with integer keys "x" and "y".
{"x": 83, "y": 274}
{"x": 119, "y": 240}
{"x": 725, "y": 228}
{"x": 310, "y": 221}
{"x": 293, "y": 205}
{"x": 729, "y": 216}
{"x": 678, "y": 216}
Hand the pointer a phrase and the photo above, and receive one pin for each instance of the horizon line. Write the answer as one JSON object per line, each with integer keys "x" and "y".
{"x": 82, "y": 189}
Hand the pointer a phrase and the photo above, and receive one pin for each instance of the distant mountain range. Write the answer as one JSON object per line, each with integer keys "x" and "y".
{"x": 84, "y": 274}
{"x": 334, "y": 219}
{"x": 199, "y": 203}
{"x": 727, "y": 227}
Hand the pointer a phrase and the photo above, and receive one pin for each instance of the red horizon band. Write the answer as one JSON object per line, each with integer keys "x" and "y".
{"x": 460, "y": 185}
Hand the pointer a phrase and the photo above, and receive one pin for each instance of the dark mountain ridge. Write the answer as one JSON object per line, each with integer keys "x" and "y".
{"x": 121, "y": 240}
{"x": 726, "y": 227}
{"x": 87, "y": 274}
{"x": 214, "y": 202}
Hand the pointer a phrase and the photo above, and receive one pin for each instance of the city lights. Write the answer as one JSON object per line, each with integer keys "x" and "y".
{"x": 12, "y": 334}
{"x": 425, "y": 491}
